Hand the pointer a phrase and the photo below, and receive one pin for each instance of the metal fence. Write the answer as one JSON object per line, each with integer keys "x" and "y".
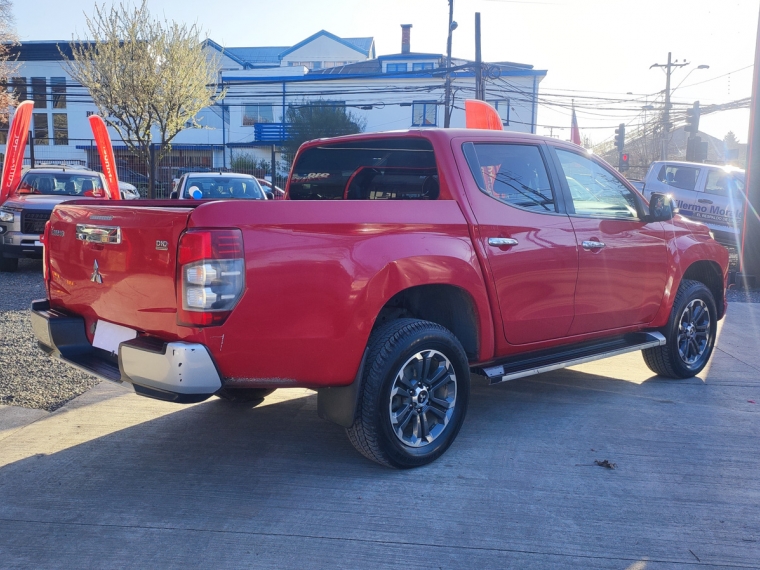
{"x": 179, "y": 160}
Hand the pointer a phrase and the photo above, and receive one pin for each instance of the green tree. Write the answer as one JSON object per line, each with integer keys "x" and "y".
{"x": 731, "y": 140}
{"x": 7, "y": 66}
{"x": 319, "y": 119}
{"x": 148, "y": 77}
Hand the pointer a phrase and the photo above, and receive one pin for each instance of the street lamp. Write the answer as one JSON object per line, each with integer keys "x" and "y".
{"x": 687, "y": 75}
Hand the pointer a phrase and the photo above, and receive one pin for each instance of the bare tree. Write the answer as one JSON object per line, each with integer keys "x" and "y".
{"x": 149, "y": 78}
{"x": 7, "y": 66}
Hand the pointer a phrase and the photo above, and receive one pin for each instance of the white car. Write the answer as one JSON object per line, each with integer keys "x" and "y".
{"x": 217, "y": 186}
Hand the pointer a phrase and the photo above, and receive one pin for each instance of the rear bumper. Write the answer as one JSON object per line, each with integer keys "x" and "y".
{"x": 179, "y": 372}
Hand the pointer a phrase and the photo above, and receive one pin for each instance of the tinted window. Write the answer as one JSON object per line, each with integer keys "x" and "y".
{"x": 222, "y": 187}
{"x": 511, "y": 173}
{"x": 677, "y": 176}
{"x": 595, "y": 191}
{"x": 389, "y": 169}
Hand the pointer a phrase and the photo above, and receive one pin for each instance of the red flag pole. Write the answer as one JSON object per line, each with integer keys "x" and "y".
{"x": 575, "y": 132}
{"x": 107, "y": 158}
{"x": 14, "y": 149}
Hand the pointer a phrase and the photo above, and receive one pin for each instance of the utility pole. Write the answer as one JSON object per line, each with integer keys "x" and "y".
{"x": 666, "y": 114}
{"x": 750, "y": 244}
{"x": 447, "y": 104}
{"x": 479, "y": 86}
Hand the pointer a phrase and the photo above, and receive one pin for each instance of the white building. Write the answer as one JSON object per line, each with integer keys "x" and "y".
{"x": 390, "y": 92}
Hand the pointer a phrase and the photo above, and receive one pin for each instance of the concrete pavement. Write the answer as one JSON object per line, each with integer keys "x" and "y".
{"x": 115, "y": 480}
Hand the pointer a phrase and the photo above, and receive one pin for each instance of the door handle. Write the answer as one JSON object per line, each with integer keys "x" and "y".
{"x": 502, "y": 242}
{"x": 588, "y": 245}
{"x": 703, "y": 201}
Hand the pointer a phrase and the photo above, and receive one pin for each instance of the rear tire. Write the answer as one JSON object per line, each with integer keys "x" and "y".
{"x": 690, "y": 334}
{"x": 414, "y": 395}
{"x": 8, "y": 264}
{"x": 244, "y": 395}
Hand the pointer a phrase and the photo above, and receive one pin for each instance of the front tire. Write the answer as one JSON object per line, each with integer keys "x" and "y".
{"x": 414, "y": 395}
{"x": 690, "y": 334}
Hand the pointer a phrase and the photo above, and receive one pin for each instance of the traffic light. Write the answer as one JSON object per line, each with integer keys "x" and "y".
{"x": 624, "y": 162}
{"x": 692, "y": 120}
{"x": 620, "y": 137}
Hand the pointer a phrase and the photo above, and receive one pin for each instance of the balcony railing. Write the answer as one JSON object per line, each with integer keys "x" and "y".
{"x": 271, "y": 132}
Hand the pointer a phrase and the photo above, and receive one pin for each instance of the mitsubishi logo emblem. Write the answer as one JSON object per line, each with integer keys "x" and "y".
{"x": 96, "y": 277}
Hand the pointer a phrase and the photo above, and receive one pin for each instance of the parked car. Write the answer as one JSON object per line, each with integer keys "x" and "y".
{"x": 24, "y": 214}
{"x": 707, "y": 193}
{"x": 400, "y": 263}
{"x": 217, "y": 186}
{"x": 128, "y": 191}
{"x": 129, "y": 175}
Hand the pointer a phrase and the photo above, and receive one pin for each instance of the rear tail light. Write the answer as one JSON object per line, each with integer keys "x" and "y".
{"x": 211, "y": 276}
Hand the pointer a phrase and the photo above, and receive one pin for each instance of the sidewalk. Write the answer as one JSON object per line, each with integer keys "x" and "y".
{"x": 115, "y": 480}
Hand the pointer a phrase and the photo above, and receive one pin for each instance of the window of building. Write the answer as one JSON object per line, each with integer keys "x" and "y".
{"x": 253, "y": 114}
{"x": 60, "y": 129}
{"x": 308, "y": 64}
{"x": 41, "y": 132}
{"x": 19, "y": 88}
{"x": 502, "y": 107}
{"x": 58, "y": 90}
{"x": 422, "y": 66}
{"x": 387, "y": 169}
{"x": 595, "y": 191}
{"x": 424, "y": 114}
{"x": 39, "y": 92}
{"x": 395, "y": 67}
{"x": 511, "y": 173}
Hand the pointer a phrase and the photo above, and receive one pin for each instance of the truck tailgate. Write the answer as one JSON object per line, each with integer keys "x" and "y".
{"x": 116, "y": 263}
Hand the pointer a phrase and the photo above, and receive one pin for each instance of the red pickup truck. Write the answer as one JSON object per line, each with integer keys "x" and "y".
{"x": 399, "y": 263}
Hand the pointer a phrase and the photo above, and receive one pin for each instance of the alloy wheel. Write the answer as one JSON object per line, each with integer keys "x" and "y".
{"x": 422, "y": 398}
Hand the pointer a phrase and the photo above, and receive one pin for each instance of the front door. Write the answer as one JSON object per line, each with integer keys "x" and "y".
{"x": 528, "y": 239}
{"x": 622, "y": 260}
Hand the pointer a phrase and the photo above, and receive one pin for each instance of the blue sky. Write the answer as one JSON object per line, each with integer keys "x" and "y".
{"x": 593, "y": 48}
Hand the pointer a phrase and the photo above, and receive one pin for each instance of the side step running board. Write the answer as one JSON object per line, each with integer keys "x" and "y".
{"x": 547, "y": 360}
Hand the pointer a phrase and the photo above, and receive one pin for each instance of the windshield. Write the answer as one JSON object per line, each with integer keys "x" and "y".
{"x": 222, "y": 187}
{"x": 62, "y": 184}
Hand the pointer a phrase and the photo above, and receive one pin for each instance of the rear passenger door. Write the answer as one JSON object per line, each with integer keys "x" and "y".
{"x": 527, "y": 238}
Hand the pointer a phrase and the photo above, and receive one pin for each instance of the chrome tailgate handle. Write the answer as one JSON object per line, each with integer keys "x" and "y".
{"x": 502, "y": 242}
{"x": 99, "y": 234}
{"x": 592, "y": 245}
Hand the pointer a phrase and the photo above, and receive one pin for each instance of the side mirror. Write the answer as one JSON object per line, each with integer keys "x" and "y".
{"x": 662, "y": 207}
{"x": 270, "y": 195}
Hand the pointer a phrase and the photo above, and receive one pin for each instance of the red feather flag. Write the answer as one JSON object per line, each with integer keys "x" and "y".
{"x": 480, "y": 115}
{"x": 107, "y": 159}
{"x": 14, "y": 153}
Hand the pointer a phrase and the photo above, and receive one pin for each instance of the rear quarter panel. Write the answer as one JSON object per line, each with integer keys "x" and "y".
{"x": 317, "y": 275}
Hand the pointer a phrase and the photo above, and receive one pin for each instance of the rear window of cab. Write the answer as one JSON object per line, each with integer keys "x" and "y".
{"x": 384, "y": 169}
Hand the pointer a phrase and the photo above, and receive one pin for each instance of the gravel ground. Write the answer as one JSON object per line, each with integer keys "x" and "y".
{"x": 31, "y": 379}
{"x": 28, "y": 377}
